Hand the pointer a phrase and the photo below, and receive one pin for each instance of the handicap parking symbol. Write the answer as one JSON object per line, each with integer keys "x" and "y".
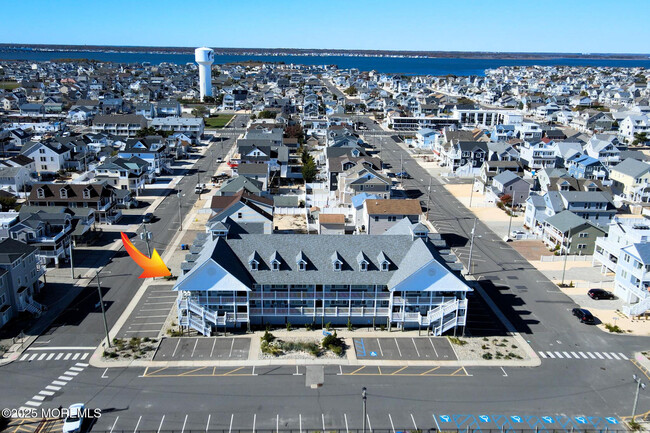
{"x": 581, "y": 420}
{"x": 484, "y": 418}
{"x": 373, "y": 353}
{"x": 515, "y": 418}
{"x": 548, "y": 419}
{"x": 445, "y": 418}
{"x": 611, "y": 420}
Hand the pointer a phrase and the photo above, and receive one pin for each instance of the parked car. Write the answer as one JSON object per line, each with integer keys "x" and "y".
{"x": 600, "y": 294}
{"x": 147, "y": 218}
{"x": 198, "y": 189}
{"x": 219, "y": 160}
{"x": 584, "y": 316}
{"x": 403, "y": 175}
{"x": 74, "y": 420}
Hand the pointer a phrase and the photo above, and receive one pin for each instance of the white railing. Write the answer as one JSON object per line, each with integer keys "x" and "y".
{"x": 638, "y": 308}
{"x": 569, "y": 258}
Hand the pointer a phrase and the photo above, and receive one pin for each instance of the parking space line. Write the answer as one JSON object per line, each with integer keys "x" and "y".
{"x": 300, "y": 421}
{"x": 434, "y": 347}
{"x": 212, "y": 350}
{"x": 136, "y": 426}
{"x": 345, "y": 416}
{"x": 395, "y": 372}
{"x": 187, "y": 373}
{"x": 114, "y": 424}
{"x": 175, "y": 348}
{"x": 232, "y": 371}
{"x": 436, "y": 421}
{"x": 232, "y": 344}
{"x": 357, "y": 370}
{"x": 369, "y": 425}
{"x": 416, "y": 348}
{"x": 195, "y": 343}
{"x": 146, "y": 373}
{"x": 391, "y": 422}
{"x": 254, "y": 421}
{"x": 429, "y": 371}
{"x": 414, "y": 424}
{"x": 397, "y": 344}
{"x": 380, "y": 349}
{"x": 232, "y": 415}
{"x": 161, "y": 423}
{"x": 322, "y": 417}
{"x": 184, "y": 422}
{"x": 150, "y": 317}
{"x": 207, "y": 425}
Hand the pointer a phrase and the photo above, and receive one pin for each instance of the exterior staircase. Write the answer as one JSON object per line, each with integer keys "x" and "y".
{"x": 33, "y": 307}
{"x": 638, "y": 308}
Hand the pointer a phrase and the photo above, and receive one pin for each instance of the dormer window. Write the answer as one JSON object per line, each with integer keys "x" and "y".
{"x": 40, "y": 193}
{"x": 302, "y": 265}
{"x": 63, "y": 192}
{"x": 275, "y": 264}
{"x": 385, "y": 266}
{"x": 363, "y": 266}
{"x": 337, "y": 261}
{"x": 86, "y": 193}
{"x": 253, "y": 265}
{"x": 337, "y": 265}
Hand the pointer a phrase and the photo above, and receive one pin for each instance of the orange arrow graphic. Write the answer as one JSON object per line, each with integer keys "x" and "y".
{"x": 152, "y": 267}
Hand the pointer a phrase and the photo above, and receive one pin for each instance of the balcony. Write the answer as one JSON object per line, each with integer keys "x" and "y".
{"x": 321, "y": 311}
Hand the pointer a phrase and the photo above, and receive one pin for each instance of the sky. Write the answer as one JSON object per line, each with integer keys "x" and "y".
{"x": 567, "y": 26}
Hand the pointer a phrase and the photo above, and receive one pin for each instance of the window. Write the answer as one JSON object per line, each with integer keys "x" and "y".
{"x": 582, "y": 246}
{"x": 302, "y": 266}
{"x": 239, "y": 215}
{"x": 376, "y": 219}
{"x": 276, "y": 265}
{"x": 41, "y": 150}
{"x": 337, "y": 265}
{"x": 253, "y": 265}
{"x": 385, "y": 266}
{"x": 583, "y": 235}
{"x": 363, "y": 266}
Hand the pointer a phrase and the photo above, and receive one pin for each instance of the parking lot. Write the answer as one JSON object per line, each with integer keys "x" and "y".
{"x": 202, "y": 349}
{"x": 404, "y": 348}
{"x": 148, "y": 317}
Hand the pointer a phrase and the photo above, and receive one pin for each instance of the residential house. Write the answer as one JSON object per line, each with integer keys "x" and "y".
{"x": 151, "y": 149}
{"x": 571, "y": 233}
{"x": 99, "y": 197}
{"x": 126, "y": 125}
{"x": 509, "y": 183}
{"x": 360, "y": 179}
{"x": 331, "y": 224}
{"x": 631, "y": 180}
{"x": 379, "y": 215}
{"x": 123, "y": 174}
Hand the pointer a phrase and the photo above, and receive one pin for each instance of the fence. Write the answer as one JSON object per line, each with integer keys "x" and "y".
{"x": 569, "y": 258}
{"x": 374, "y": 430}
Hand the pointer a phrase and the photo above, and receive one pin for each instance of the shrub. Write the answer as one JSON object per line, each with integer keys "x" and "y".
{"x": 307, "y": 327}
{"x": 613, "y": 328}
{"x": 334, "y": 343}
{"x": 288, "y": 326}
{"x": 457, "y": 341}
{"x": 267, "y": 337}
{"x": 328, "y": 325}
{"x": 349, "y": 324}
{"x": 485, "y": 347}
{"x": 487, "y": 356}
{"x": 382, "y": 327}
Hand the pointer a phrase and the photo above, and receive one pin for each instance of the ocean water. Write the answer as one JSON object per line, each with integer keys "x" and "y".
{"x": 391, "y": 65}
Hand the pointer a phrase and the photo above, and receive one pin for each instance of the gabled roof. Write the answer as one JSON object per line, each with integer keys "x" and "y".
{"x": 631, "y": 167}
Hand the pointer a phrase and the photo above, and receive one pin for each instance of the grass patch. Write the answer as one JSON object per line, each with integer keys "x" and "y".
{"x": 9, "y": 85}
{"x": 218, "y": 121}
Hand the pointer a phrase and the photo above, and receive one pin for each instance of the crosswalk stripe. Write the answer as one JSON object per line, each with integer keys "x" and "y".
{"x": 583, "y": 355}
{"x": 622, "y": 356}
{"x": 24, "y": 357}
{"x": 66, "y": 378}
{"x": 81, "y": 364}
{"x": 72, "y": 373}
{"x": 84, "y": 356}
{"x": 566, "y": 354}
{"x": 31, "y": 358}
{"x": 53, "y": 388}
{"x": 59, "y": 356}
{"x": 67, "y": 356}
{"x": 607, "y": 355}
{"x": 558, "y": 354}
{"x": 59, "y": 383}
{"x": 76, "y": 355}
{"x": 46, "y": 392}
{"x": 50, "y": 356}
{"x": 542, "y": 355}
{"x": 575, "y": 355}
{"x": 591, "y": 355}
{"x": 38, "y": 398}
{"x": 550, "y": 354}
{"x": 599, "y": 355}
{"x": 76, "y": 369}
{"x": 42, "y": 356}
{"x": 33, "y": 403}
{"x": 615, "y": 356}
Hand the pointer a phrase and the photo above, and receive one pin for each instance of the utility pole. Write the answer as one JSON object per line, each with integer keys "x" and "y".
{"x": 71, "y": 262}
{"x": 566, "y": 253}
{"x": 471, "y": 194}
{"x": 101, "y": 302}
{"x": 429, "y": 198}
{"x": 512, "y": 210}
{"x": 198, "y": 181}
{"x": 146, "y": 235}
{"x": 180, "y": 217}
{"x": 639, "y": 385}
{"x": 471, "y": 247}
{"x": 363, "y": 397}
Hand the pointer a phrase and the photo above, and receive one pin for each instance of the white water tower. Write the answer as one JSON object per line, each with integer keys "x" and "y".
{"x": 204, "y": 57}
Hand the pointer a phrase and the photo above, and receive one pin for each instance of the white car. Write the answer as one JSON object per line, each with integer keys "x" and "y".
{"x": 74, "y": 420}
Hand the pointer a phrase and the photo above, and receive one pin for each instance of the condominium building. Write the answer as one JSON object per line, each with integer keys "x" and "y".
{"x": 404, "y": 277}
{"x": 626, "y": 251}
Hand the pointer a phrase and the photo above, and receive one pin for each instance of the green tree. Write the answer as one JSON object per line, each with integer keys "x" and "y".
{"x": 144, "y": 132}
{"x": 266, "y": 114}
{"x": 640, "y": 138}
{"x": 295, "y": 131}
{"x": 309, "y": 170}
{"x": 350, "y": 91}
{"x": 199, "y": 111}
{"x": 7, "y": 203}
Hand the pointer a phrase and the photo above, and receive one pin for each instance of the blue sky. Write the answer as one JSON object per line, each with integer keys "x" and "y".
{"x": 585, "y": 26}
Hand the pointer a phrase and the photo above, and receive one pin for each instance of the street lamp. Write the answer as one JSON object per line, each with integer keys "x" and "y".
{"x": 363, "y": 397}
{"x": 566, "y": 253}
{"x": 639, "y": 385}
{"x": 101, "y": 302}
{"x": 471, "y": 248}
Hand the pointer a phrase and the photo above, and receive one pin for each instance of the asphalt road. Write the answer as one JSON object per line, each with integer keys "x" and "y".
{"x": 278, "y": 396}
